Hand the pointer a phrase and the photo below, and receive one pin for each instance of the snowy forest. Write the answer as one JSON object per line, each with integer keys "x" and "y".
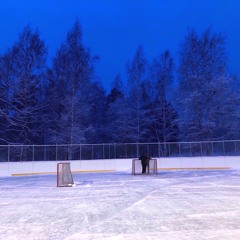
{"x": 191, "y": 98}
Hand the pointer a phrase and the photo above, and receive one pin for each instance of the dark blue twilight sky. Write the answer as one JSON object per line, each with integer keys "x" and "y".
{"x": 114, "y": 29}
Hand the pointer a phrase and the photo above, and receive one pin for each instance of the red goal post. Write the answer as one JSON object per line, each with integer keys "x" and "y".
{"x": 151, "y": 167}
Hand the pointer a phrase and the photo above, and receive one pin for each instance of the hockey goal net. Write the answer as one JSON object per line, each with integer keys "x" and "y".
{"x": 64, "y": 175}
{"x": 151, "y": 167}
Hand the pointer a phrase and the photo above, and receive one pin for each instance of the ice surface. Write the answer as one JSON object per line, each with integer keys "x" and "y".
{"x": 175, "y": 205}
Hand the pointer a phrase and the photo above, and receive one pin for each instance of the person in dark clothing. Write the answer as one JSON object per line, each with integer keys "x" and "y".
{"x": 148, "y": 160}
{"x": 144, "y": 162}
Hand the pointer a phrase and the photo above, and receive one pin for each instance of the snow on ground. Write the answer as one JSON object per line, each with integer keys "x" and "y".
{"x": 175, "y": 205}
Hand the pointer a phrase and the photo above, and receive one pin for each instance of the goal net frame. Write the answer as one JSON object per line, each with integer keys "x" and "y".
{"x": 151, "y": 167}
{"x": 64, "y": 175}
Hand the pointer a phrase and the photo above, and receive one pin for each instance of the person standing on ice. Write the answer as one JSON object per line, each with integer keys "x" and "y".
{"x": 148, "y": 160}
{"x": 144, "y": 160}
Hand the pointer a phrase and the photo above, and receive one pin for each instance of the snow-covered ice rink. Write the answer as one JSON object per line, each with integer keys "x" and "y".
{"x": 174, "y": 205}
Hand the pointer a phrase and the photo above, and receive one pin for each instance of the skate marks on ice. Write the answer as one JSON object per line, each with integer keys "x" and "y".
{"x": 172, "y": 205}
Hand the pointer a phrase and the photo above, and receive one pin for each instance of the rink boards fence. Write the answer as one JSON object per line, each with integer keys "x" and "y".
{"x": 22, "y": 153}
{"x": 18, "y": 160}
{"x": 112, "y": 165}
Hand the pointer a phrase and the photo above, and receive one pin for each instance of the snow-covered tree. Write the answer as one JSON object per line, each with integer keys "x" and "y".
{"x": 204, "y": 86}
{"x": 163, "y": 115}
{"x": 118, "y": 114}
{"x": 70, "y": 79}
{"x": 24, "y": 69}
{"x": 137, "y": 72}
{"x": 98, "y": 113}
{"x": 5, "y": 96}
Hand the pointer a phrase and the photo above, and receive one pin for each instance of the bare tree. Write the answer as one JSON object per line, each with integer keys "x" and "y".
{"x": 5, "y": 98}
{"x": 137, "y": 72}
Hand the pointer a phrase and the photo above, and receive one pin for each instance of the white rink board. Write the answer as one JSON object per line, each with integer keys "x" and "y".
{"x": 49, "y": 167}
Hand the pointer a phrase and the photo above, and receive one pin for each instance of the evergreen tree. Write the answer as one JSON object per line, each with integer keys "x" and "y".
{"x": 118, "y": 114}
{"x": 160, "y": 121}
{"x": 163, "y": 113}
{"x": 98, "y": 113}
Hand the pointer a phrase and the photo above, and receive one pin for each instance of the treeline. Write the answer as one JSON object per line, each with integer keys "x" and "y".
{"x": 160, "y": 102}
